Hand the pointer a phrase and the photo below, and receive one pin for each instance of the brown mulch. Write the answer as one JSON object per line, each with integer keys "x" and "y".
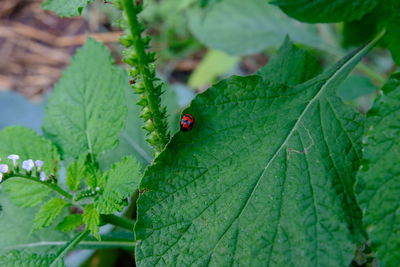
{"x": 36, "y": 45}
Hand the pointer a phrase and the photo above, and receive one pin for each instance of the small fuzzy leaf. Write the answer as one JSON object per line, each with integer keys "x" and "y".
{"x": 48, "y": 213}
{"x": 26, "y": 193}
{"x": 87, "y": 109}
{"x": 91, "y": 218}
{"x": 121, "y": 182}
{"x": 67, "y": 8}
{"x": 70, "y": 222}
{"x": 378, "y": 185}
{"x": 76, "y": 172}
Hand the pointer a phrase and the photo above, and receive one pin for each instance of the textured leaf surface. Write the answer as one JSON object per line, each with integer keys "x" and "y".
{"x": 264, "y": 179}
{"x": 326, "y": 10}
{"x": 298, "y": 64}
{"x": 252, "y": 26}
{"x": 378, "y": 187}
{"x": 48, "y": 213}
{"x": 67, "y": 8}
{"x": 87, "y": 110}
{"x": 76, "y": 173}
{"x": 91, "y": 218}
{"x": 121, "y": 182}
{"x": 18, "y": 258}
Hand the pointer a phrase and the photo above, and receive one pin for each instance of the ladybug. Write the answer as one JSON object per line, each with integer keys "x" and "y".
{"x": 187, "y": 123}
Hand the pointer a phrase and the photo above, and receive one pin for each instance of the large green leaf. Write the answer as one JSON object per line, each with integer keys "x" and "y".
{"x": 87, "y": 109}
{"x": 68, "y": 8}
{"x": 21, "y": 258}
{"x": 245, "y": 27}
{"x": 326, "y": 10}
{"x": 378, "y": 186}
{"x": 265, "y": 178}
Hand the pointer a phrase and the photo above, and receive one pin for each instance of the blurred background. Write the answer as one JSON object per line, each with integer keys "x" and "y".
{"x": 196, "y": 46}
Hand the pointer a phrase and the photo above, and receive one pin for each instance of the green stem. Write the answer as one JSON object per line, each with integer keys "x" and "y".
{"x": 122, "y": 222}
{"x": 151, "y": 92}
{"x": 68, "y": 247}
{"x": 377, "y": 78}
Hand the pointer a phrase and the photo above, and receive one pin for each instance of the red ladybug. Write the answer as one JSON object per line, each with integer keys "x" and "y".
{"x": 187, "y": 123}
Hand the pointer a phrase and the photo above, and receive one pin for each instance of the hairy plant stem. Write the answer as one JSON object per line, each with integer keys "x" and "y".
{"x": 111, "y": 219}
{"x": 141, "y": 61}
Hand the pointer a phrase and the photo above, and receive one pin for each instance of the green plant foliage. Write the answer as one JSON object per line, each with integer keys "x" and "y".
{"x": 16, "y": 230}
{"x": 19, "y": 258}
{"x": 27, "y": 144}
{"x": 48, "y": 213}
{"x": 121, "y": 181}
{"x": 298, "y": 64}
{"x": 265, "y": 178}
{"x": 78, "y": 116}
{"x": 326, "y": 10}
{"x": 252, "y": 26}
{"x": 70, "y": 222}
{"x": 68, "y": 8}
{"x": 76, "y": 173}
{"x": 378, "y": 186}
{"x": 26, "y": 193}
{"x": 91, "y": 219}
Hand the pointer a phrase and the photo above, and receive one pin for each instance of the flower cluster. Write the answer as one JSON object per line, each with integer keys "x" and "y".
{"x": 28, "y": 165}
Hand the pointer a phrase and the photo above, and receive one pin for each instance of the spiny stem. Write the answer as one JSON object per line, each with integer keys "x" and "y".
{"x": 143, "y": 73}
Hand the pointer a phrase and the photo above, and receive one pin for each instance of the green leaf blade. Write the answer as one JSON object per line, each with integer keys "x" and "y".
{"x": 378, "y": 180}
{"x": 121, "y": 182}
{"x": 252, "y": 26}
{"x": 78, "y": 119}
{"x": 48, "y": 213}
{"x": 68, "y": 8}
{"x": 276, "y": 178}
{"x": 91, "y": 218}
{"x": 326, "y": 10}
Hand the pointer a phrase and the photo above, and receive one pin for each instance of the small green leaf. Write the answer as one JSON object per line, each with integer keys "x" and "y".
{"x": 76, "y": 173}
{"x": 326, "y": 10}
{"x": 378, "y": 186}
{"x": 279, "y": 193}
{"x": 121, "y": 182}
{"x": 71, "y": 222}
{"x": 87, "y": 109}
{"x": 67, "y": 8}
{"x": 26, "y": 193}
{"x": 91, "y": 218}
{"x": 48, "y": 213}
{"x": 214, "y": 64}
{"x": 252, "y": 26}
{"x": 295, "y": 66}
{"x": 19, "y": 258}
